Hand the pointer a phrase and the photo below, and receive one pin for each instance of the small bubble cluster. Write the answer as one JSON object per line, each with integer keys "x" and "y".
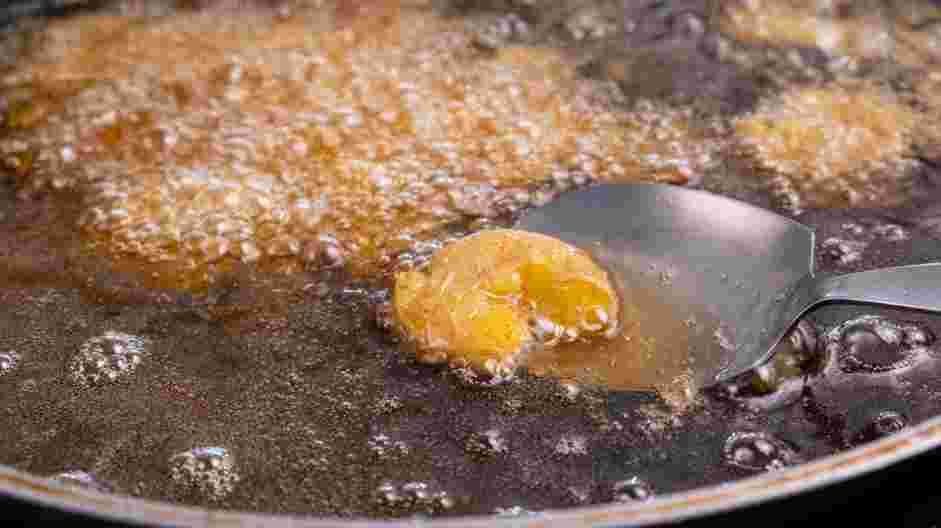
{"x": 830, "y": 146}
{"x": 633, "y": 489}
{"x": 487, "y": 444}
{"x": 576, "y": 495}
{"x": 845, "y": 252}
{"x": 883, "y": 424}
{"x": 108, "y": 357}
{"x": 839, "y": 29}
{"x": 570, "y": 392}
{"x": 589, "y": 23}
{"x": 412, "y": 497}
{"x": 778, "y": 382}
{"x": 8, "y": 361}
{"x": 209, "y": 471}
{"x": 758, "y": 451}
{"x": 849, "y": 247}
{"x": 891, "y": 232}
{"x": 878, "y": 230}
{"x": 571, "y": 446}
{"x": 873, "y": 344}
{"x": 384, "y": 447}
{"x": 500, "y": 32}
{"x": 333, "y": 148}
{"x": 389, "y": 405}
{"x": 514, "y": 511}
{"x": 491, "y": 376}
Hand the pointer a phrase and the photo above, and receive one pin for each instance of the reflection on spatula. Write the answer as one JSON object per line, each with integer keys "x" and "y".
{"x": 743, "y": 270}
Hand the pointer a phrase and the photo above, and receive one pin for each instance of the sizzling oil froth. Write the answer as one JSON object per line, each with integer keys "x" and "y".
{"x": 842, "y": 145}
{"x": 198, "y": 141}
{"x": 254, "y": 395}
{"x": 860, "y": 30}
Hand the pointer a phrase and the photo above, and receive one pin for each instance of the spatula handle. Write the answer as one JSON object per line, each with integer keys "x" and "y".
{"x": 917, "y": 286}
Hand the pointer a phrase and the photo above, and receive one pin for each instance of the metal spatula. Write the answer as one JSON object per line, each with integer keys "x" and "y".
{"x": 743, "y": 270}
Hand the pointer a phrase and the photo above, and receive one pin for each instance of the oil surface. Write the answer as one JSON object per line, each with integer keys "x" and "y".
{"x": 250, "y": 390}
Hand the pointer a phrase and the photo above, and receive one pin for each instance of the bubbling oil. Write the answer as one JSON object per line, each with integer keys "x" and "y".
{"x": 250, "y": 396}
{"x": 196, "y": 142}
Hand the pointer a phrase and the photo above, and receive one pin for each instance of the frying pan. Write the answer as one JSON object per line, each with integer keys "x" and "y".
{"x": 838, "y": 477}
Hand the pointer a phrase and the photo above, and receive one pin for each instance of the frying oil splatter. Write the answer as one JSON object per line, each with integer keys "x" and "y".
{"x": 884, "y": 31}
{"x": 200, "y": 141}
{"x": 830, "y": 146}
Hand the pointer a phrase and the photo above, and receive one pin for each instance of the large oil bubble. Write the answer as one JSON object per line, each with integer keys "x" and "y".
{"x": 108, "y": 357}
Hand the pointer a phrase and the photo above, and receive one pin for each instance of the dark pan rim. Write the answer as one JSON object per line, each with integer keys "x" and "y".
{"x": 699, "y": 502}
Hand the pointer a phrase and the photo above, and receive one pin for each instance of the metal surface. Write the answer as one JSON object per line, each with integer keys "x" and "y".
{"x": 743, "y": 270}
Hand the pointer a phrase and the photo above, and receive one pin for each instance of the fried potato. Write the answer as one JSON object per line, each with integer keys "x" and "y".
{"x": 483, "y": 299}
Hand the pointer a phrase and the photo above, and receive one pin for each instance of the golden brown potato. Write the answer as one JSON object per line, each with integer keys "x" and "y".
{"x": 483, "y": 299}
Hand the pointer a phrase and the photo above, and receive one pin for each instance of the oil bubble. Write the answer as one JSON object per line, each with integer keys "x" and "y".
{"x": 389, "y": 405}
{"x": 578, "y": 495}
{"x": 500, "y": 32}
{"x": 487, "y": 444}
{"x": 632, "y": 490}
{"x": 514, "y": 511}
{"x": 493, "y": 376}
{"x": 570, "y": 392}
{"x": 842, "y": 251}
{"x": 873, "y": 344}
{"x": 778, "y": 382}
{"x": 108, "y": 357}
{"x": 758, "y": 451}
{"x": 411, "y": 498}
{"x": 8, "y": 361}
{"x": 688, "y": 25}
{"x": 209, "y": 471}
{"x": 853, "y": 228}
{"x": 881, "y": 425}
{"x": 891, "y": 232}
{"x": 384, "y": 447}
{"x": 857, "y": 236}
{"x": 765, "y": 379}
{"x": 571, "y": 445}
{"x": 589, "y": 23}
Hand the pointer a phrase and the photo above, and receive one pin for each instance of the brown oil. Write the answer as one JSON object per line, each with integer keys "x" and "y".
{"x": 251, "y": 393}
